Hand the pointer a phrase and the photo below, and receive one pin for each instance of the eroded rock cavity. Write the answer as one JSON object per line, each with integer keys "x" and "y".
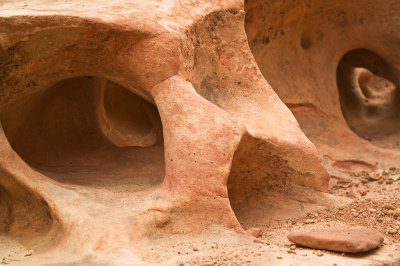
{"x": 368, "y": 93}
{"x": 88, "y": 131}
{"x": 130, "y": 123}
{"x": 340, "y": 74}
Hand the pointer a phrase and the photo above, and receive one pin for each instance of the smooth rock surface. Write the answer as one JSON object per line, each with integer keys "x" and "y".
{"x": 343, "y": 240}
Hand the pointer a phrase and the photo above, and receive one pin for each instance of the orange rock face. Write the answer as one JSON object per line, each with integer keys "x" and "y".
{"x": 341, "y": 74}
{"x": 123, "y": 122}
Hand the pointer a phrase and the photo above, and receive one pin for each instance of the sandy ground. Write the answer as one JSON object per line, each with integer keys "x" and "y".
{"x": 378, "y": 207}
{"x": 11, "y": 250}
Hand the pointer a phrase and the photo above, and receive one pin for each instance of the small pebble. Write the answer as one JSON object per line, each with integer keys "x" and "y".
{"x": 255, "y": 231}
{"x": 363, "y": 191}
{"x": 389, "y": 207}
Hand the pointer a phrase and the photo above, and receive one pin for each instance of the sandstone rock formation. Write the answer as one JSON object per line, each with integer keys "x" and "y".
{"x": 341, "y": 74}
{"x": 126, "y": 123}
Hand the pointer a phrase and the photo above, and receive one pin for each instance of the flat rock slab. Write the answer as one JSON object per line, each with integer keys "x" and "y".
{"x": 343, "y": 240}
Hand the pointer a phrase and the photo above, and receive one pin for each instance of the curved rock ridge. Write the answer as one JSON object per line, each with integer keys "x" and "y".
{"x": 125, "y": 124}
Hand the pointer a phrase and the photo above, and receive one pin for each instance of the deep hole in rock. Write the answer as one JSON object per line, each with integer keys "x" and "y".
{"x": 128, "y": 118}
{"x": 369, "y": 94}
{"x": 261, "y": 188}
{"x": 325, "y": 47}
{"x": 89, "y": 131}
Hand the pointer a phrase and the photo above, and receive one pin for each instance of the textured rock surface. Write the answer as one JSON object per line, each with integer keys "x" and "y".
{"x": 124, "y": 121}
{"x": 125, "y": 124}
{"x": 341, "y": 76}
{"x": 344, "y": 240}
